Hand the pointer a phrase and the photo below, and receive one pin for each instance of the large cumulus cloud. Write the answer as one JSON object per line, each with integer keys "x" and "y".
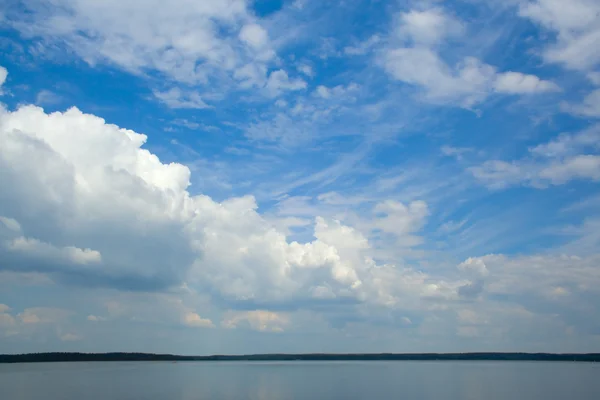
{"x": 86, "y": 203}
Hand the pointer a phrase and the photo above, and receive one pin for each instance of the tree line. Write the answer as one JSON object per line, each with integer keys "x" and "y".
{"x": 74, "y": 357}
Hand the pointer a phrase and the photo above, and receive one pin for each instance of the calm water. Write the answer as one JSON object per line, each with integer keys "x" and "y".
{"x": 300, "y": 381}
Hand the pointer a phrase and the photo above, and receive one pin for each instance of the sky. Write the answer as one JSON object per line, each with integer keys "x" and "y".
{"x": 238, "y": 176}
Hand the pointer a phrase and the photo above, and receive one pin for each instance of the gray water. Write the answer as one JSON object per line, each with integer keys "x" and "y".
{"x": 300, "y": 380}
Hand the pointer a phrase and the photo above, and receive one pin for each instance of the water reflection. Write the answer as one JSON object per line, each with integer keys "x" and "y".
{"x": 299, "y": 381}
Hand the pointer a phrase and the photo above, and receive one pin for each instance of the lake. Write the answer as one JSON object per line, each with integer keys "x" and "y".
{"x": 448, "y": 380}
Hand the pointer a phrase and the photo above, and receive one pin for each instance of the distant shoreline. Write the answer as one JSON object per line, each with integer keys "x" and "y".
{"x": 80, "y": 357}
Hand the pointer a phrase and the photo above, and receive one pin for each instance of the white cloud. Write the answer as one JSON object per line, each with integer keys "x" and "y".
{"x": 70, "y": 337}
{"x": 537, "y": 274}
{"x": 48, "y": 98}
{"x": 415, "y": 60}
{"x": 281, "y": 128}
{"x": 363, "y": 47}
{"x": 194, "y": 320}
{"x": 401, "y": 220}
{"x": 44, "y": 251}
{"x": 279, "y": 81}
{"x": 3, "y": 76}
{"x": 594, "y": 77}
{"x": 43, "y": 315}
{"x": 138, "y": 35}
{"x": 568, "y": 157}
{"x": 498, "y": 174}
{"x": 79, "y": 183}
{"x": 7, "y": 322}
{"x": 207, "y": 43}
{"x": 251, "y": 75}
{"x": 590, "y": 107}
{"x": 474, "y": 265}
{"x": 306, "y": 70}
{"x": 577, "y": 28}
{"x": 451, "y": 226}
{"x": 64, "y": 169}
{"x": 570, "y": 144}
{"x": 10, "y": 224}
{"x": 337, "y": 92}
{"x": 259, "y": 320}
{"x": 518, "y": 83}
{"x": 457, "y": 152}
{"x": 428, "y": 27}
{"x": 177, "y": 98}
{"x": 254, "y": 35}
{"x": 467, "y": 83}
{"x": 40, "y": 322}
{"x": 578, "y": 167}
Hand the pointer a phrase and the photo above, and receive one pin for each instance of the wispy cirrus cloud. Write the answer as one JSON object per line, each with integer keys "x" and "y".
{"x": 568, "y": 157}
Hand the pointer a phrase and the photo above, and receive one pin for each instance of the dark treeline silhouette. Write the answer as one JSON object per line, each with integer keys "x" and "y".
{"x": 68, "y": 357}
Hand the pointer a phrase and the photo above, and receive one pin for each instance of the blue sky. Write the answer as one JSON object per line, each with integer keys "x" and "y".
{"x": 271, "y": 176}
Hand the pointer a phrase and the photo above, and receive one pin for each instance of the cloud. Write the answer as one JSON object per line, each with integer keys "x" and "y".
{"x": 10, "y": 224}
{"x": 70, "y": 337}
{"x": 43, "y": 251}
{"x": 539, "y": 274}
{"x": 36, "y": 322}
{"x": 216, "y": 45}
{"x": 254, "y": 35}
{"x": 363, "y": 47}
{"x": 457, "y": 152}
{"x": 474, "y": 265}
{"x": 428, "y": 27}
{"x": 8, "y": 323}
{"x": 594, "y": 77}
{"x": 399, "y": 220}
{"x": 43, "y": 315}
{"x": 80, "y": 183}
{"x": 518, "y": 83}
{"x": 542, "y": 288}
{"x": 577, "y": 31}
{"x": 576, "y": 27}
{"x": 566, "y": 158}
{"x": 177, "y": 98}
{"x": 95, "y": 318}
{"x": 3, "y": 76}
{"x": 183, "y": 43}
{"x": 590, "y": 107}
{"x": 279, "y": 82}
{"x": 306, "y": 70}
{"x": 82, "y": 186}
{"x": 48, "y": 98}
{"x": 338, "y": 91}
{"x": 499, "y": 174}
{"x": 81, "y": 164}
{"x": 258, "y": 320}
{"x": 194, "y": 320}
{"x": 413, "y": 57}
{"x": 578, "y": 167}
{"x": 569, "y": 144}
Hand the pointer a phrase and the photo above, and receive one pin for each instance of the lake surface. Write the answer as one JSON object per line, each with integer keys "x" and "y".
{"x": 448, "y": 380}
